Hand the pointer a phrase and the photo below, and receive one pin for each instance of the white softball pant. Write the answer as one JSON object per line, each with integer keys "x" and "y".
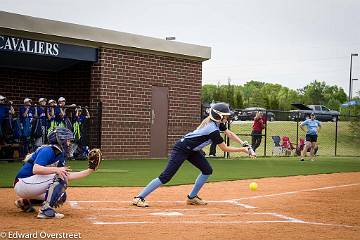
{"x": 34, "y": 187}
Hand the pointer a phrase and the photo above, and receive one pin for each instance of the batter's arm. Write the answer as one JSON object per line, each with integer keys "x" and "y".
{"x": 233, "y": 136}
{"x": 226, "y": 148}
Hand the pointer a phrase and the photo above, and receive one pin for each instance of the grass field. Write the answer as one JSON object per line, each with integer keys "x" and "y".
{"x": 347, "y": 145}
{"x": 140, "y": 172}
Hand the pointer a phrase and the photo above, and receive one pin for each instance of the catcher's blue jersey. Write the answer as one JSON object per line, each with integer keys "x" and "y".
{"x": 44, "y": 156}
{"x": 204, "y": 136}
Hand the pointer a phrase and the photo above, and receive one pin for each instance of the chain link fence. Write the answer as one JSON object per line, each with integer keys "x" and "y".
{"x": 340, "y": 136}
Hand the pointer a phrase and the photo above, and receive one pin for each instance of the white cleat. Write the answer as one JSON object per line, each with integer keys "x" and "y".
{"x": 140, "y": 202}
{"x": 195, "y": 201}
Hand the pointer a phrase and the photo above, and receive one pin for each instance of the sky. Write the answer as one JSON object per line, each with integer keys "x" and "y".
{"x": 289, "y": 42}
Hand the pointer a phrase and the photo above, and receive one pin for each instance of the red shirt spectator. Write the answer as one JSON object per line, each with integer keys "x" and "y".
{"x": 258, "y": 124}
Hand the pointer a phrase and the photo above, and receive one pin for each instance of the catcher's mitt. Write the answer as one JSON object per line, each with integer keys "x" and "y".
{"x": 94, "y": 158}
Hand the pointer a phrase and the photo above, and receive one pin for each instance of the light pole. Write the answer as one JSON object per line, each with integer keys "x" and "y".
{"x": 350, "y": 86}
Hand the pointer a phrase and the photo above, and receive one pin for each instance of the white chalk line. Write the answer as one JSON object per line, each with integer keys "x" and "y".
{"x": 177, "y": 214}
{"x": 295, "y": 192}
{"x": 222, "y": 222}
{"x": 75, "y": 204}
{"x": 283, "y": 219}
{"x": 166, "y": 214}
{"x": 232, "y": 201}
{"x": 286, "y": 219}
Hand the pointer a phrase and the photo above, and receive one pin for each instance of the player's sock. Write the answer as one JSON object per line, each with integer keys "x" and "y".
{"x": 154, "y": 184}
{"x": 200, "y": 181}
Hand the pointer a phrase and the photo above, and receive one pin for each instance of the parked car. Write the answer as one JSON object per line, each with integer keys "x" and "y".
{"x": 248, "y": 114}
{"x": 322, "y": 113}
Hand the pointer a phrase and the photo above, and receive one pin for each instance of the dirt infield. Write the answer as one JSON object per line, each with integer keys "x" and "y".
{"x": 304, "y": 207}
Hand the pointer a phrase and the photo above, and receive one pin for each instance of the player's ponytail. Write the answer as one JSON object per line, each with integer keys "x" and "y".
{"x": 204, "y": 122}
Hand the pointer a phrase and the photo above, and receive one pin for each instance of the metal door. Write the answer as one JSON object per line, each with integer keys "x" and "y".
{"x": 159, "y": 122}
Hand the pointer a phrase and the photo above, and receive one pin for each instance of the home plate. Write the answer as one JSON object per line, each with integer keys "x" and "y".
{"x": 167, "y": 214}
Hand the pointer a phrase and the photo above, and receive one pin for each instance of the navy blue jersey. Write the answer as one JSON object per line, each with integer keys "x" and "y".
{"x": 42, "y": 115}
{"x": 52, "y": 117}
{"x": 59, "y": 118}
{"x": 204, "y": 136}
{"x": 44, "y": 156}
{"x": 4, "y": 111}
{"x": 80, "y": 118}
{"x": 29, "y": 115}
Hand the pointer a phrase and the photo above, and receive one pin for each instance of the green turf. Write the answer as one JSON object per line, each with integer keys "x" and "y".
{"x": 140, "y": 172}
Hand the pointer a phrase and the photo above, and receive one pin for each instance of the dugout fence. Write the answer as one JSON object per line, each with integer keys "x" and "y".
{"x": 19, "y": 135}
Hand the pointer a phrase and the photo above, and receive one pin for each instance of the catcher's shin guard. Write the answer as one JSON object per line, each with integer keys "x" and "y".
{"x": 56, "y": 195}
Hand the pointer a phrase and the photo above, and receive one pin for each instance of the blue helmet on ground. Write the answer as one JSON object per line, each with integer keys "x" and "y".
{"x": 59, "y": 136}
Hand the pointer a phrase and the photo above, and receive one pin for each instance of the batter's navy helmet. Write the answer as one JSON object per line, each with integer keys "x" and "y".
{"x": 218, "y": 111}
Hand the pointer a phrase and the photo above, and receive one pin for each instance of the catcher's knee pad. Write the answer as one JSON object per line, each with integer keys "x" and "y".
{"x": 56, "y": 195}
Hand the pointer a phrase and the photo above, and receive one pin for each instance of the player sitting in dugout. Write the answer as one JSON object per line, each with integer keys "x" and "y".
{"x": 189, "y": 148}
{"x": 45, "y": 177}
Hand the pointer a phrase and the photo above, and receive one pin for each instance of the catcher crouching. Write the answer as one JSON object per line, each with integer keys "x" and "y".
{"x": 44, "y": 177}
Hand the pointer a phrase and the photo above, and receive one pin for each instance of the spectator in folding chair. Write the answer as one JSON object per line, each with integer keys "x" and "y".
{"x": 277, "y": 148}
{"x": 287, "y": 146}
{"x": 301, "y": 146}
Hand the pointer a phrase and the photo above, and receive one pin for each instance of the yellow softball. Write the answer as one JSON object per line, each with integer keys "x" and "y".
{"x": 253, "y": 186}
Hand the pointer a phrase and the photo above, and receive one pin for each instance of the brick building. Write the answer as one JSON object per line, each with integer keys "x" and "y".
{"x": 149, "y": 90}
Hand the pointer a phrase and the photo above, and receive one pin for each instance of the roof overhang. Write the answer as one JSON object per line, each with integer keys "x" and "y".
{"x": 50, "y": 30}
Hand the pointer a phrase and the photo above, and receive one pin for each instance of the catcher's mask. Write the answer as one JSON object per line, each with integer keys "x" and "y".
{"x": 60, "y": 136}
{"x": 218, "y": 111}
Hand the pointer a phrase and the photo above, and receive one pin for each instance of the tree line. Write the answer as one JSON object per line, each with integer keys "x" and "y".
{"x": 274, "y": 96}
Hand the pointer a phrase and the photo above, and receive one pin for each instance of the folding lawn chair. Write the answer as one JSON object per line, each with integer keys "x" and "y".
{"x": 277, "y": 149}
{"x": 287, "y": 146}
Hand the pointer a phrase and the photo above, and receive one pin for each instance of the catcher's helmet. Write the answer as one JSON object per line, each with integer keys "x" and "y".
{"x": 59, "y": 136}
{"x": 218, "y": 111}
